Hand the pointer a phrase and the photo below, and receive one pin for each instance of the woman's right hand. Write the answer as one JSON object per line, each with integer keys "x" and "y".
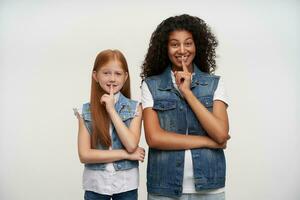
{"x": 138, "y": 154}
{"x": 183, "y": 78}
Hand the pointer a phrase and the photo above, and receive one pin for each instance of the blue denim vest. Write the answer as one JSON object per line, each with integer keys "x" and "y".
{"x": 165, "y": 168}
{"x": 126, "y": 109}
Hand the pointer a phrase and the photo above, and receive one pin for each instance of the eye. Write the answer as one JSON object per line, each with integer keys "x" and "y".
{"x": 174, "y": 45}
{"x": 106, "y": 72}
{"x": 189, "y": 43}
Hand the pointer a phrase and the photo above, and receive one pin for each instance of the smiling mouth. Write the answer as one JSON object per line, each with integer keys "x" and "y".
{"x": 179, "y": 58}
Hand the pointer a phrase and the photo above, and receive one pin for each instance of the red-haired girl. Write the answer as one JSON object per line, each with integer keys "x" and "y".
{"x": 109, "y": 132}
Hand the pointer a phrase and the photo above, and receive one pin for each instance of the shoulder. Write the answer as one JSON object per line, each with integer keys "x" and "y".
{"x": 86, "y": 108}
{"x": 152, "y": 82}
{"x": 201, "y": 74}
{"x": 153, "y": 78}
{"x": 86, "y": 111}
{"x": 127, "y": 108}
{"x": 207, "y": 75}
{"x": 133, "y": 103}
{"x": 125, "y": 104}
{"x": 207, "y": 79}
{"x": 128, "y": 100}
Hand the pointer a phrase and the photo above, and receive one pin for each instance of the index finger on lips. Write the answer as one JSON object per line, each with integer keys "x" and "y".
{"x": 111, "y": 90}
{"x": 184, "y": 67}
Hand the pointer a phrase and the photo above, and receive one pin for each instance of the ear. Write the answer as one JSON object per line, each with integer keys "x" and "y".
{"x": 95, "y": 76}
{"x": 126, "y": 76}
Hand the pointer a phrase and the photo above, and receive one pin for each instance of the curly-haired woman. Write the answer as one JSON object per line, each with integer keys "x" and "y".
{"x": 184, "y": 109}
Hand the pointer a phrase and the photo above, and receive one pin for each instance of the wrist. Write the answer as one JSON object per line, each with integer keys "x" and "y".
{"x": 110, "y": 109}
{"x": 186, "y": 92}
{"x": 207, "y": 142}
{"x": 126, "y": 155}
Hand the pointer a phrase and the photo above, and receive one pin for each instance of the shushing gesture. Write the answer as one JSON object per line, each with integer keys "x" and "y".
{"x": 183, "y": 78}
{"x": 108, "y": 100}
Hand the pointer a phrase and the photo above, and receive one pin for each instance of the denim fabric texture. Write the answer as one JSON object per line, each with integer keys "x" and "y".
{"x": 129, "y": 195}
{"x": 126, "y": 109}
{"x": 165, "y": 168}
{"x": 218, "y": 196}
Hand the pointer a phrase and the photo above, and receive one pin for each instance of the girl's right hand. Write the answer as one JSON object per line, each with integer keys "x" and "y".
{"x": 138, "y": 154}
{"x": 108, "y": 100}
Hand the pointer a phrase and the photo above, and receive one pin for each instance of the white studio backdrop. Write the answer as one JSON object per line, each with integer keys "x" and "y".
{"x": 47, "y": 50}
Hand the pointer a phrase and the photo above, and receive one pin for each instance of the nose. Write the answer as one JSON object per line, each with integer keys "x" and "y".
{"x": 182, "y": 49}
{"x": 112, "y": 78}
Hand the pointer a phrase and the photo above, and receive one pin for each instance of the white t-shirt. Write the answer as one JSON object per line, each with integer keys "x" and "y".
{"x": 188, "y": 177}
{"x": 110, "y": 181}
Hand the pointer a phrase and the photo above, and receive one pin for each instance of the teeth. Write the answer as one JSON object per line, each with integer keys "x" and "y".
{"x": 180, "y": 59}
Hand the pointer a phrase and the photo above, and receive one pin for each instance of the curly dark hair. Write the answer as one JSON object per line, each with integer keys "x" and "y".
{"x": 157, "y": 60}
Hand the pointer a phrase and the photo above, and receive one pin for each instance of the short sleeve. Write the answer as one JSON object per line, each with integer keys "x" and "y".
{"x": 147, "y": 99}
{"x": 220, "y": 93}
{"x": 136, "y": 112}
{"x": 77, "y": 110}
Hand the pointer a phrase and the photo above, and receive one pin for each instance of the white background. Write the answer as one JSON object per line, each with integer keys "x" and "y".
{"x": 47, "y": 50}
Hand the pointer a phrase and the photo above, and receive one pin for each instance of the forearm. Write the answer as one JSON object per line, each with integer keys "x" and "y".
{"x": 128, "y": 139}
{"x": 159, "y": 138}
{"x": 165, "y": 140}
{"x": 216, "y": 128}
{"x": 101, "y": 156}
{"x": 89, "y": 155}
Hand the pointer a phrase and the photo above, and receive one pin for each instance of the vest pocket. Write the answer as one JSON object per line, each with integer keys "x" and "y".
{"x": 164, "y": 104}
{"x": 167, "y": 113}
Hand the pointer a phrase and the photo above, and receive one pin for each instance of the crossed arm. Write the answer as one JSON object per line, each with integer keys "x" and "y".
{"x": 159, "y": 138}
{"x": 129, "y": 136}
{"x": 215, "y": 123}
{"x": 89, "y": 155}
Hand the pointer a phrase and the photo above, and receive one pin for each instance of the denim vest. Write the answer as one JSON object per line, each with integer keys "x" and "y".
{"x": 126, "y": 108}
{"x": 165, "y": 168}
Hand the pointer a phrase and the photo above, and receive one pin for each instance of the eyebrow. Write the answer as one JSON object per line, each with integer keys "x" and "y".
{"x": 105, "y": 69}
{"x": 178, "y": 40}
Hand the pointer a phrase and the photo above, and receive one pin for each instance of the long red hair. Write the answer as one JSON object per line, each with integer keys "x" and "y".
{"x": 100, "y": 118}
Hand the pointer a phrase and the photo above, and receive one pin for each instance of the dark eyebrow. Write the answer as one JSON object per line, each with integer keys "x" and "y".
{"x": 189, "y": 39}
{"x": 172, "y": 39}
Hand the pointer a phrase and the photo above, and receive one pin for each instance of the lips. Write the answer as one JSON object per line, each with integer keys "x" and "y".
{"x": 112, "y": 85}
{"x": 179, "y": 58}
